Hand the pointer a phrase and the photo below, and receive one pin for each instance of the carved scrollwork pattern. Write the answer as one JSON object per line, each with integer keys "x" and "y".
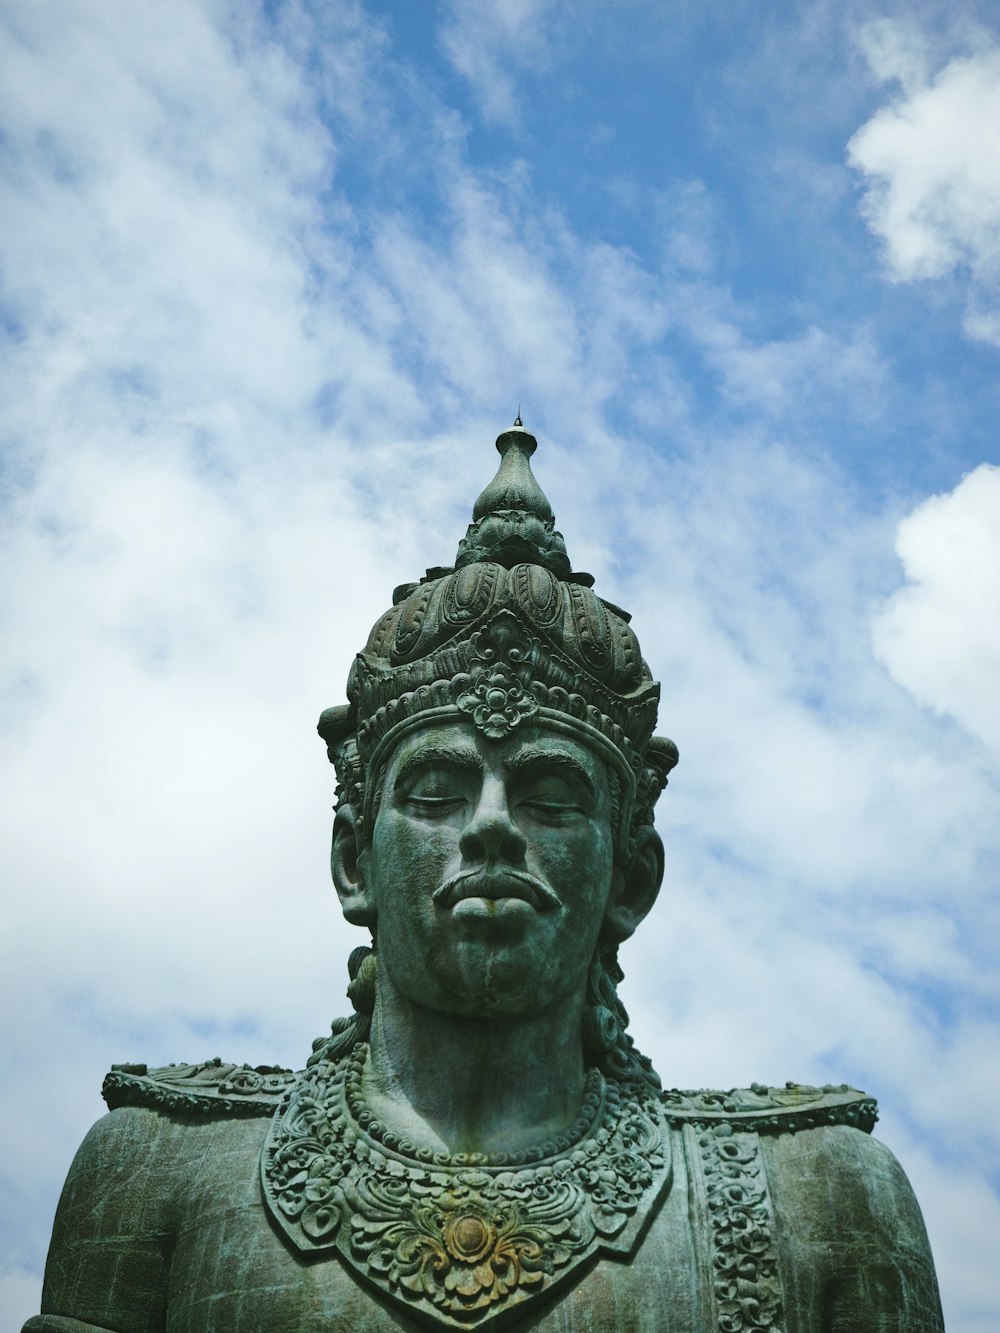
{"x": 747, "y": 1287}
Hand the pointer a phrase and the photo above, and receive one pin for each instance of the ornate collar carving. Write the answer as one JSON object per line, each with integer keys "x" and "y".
{"x": 460, "y": 1241}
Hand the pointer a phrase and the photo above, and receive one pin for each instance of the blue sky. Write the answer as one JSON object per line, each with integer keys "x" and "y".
{"x": 272, "y": 278}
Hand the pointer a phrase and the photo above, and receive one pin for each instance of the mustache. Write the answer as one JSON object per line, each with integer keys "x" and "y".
{"x": 506, "y": 883}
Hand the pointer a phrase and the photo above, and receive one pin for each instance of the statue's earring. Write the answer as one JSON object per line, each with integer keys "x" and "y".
{"x": 362, "y": 969}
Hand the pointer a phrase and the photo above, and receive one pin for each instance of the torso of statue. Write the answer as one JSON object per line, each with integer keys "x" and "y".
{"x": 223, "y": 1198}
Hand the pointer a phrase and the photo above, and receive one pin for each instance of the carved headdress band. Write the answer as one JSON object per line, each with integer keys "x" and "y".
{"x": 509, "y": 634}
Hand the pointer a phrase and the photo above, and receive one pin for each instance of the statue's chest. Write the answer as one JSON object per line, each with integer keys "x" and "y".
{"x": 468, "y": 1241}
{"x": 313, "y": 1222}
{"x": 232, "y": 1270}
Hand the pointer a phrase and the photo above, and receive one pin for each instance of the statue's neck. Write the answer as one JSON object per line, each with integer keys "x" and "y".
{"x": 459, "y": 1084}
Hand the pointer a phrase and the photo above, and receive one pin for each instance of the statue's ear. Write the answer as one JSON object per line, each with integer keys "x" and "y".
{"x": 347, "y": 868}
{"x": 634, "y": 891}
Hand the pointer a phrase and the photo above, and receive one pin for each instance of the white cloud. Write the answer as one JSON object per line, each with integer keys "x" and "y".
{"x": 939, "y": 636}
{"x": 897, "y": 52}
{"x": 931, "y": 163}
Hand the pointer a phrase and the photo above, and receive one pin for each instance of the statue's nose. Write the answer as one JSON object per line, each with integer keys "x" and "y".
{"x": 491, "y": 834}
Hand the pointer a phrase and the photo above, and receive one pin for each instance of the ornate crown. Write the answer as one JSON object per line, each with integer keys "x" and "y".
{"x": 509, "y": 633}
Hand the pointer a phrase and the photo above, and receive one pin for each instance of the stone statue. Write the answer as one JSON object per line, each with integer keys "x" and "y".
{"x": 481, "y": 1146}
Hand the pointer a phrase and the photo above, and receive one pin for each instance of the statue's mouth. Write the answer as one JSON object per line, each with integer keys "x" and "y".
{"x": 495, "y": 885}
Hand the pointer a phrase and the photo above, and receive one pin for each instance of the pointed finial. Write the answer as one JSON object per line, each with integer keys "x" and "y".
{"x": 514, "y": 488}
{"x": 512, "y": 521}
{"x": 517, "y": 419}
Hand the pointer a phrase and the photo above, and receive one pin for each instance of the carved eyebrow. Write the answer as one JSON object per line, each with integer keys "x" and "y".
{"x": 528, "y": 760}
{"x": 444, "y": 756}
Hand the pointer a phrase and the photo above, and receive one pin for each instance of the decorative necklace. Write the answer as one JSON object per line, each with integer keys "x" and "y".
{"x": 458, "y": 1239}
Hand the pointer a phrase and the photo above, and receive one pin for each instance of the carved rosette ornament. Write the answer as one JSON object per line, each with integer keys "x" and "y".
{"x": 461, "y": 1240}
{"x": 495, "y": 693}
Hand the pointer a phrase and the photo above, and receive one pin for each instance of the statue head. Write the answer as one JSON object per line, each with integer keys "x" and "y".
{"x": 497, "y": 774}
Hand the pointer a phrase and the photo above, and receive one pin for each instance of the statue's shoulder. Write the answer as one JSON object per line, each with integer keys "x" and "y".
{"x": 211, "y": 1088}
{"x": 174, "y": 1135}
{"x": 766, "y": 1110}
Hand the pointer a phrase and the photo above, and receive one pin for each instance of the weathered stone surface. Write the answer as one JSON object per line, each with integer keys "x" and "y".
{"x": 481, "y": 1146}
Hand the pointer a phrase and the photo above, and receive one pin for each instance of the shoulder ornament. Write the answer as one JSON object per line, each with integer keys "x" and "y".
{"x": 210, "y": 1088}
{"x": 766, "y": 1110}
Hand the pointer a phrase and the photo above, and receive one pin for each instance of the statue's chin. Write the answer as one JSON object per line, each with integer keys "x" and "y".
{"x": 493, "y": 1004}
{"x": 484, "y": 977}
{"x": 485, "y": 958}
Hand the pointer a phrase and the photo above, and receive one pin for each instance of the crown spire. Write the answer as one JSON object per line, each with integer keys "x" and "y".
{"x": 512, "y": 521}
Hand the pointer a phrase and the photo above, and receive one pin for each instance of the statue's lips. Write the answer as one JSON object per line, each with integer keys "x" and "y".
{"x": 494, "y": 886}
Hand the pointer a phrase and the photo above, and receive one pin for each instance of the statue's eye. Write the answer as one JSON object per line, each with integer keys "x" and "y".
{"x": 434, "y": 793}
{"x": 553, "y": 798}
{"x": 435, "y": 807}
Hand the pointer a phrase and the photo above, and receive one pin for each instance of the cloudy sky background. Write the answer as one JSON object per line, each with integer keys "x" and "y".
{"x": 272, "y": 278}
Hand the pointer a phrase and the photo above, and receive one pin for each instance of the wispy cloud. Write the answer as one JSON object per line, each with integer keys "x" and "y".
{"x": 490, "y": 44}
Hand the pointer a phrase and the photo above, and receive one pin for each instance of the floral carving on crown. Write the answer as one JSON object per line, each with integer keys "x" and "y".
{"x": 461, "y": 1239}
{"x": 496, "y": 691}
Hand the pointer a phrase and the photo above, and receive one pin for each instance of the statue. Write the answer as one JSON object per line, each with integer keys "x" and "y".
{"x": 480, "y": 1145}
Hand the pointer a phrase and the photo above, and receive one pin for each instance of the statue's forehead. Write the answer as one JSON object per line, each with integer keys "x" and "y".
{"x": 443, "y": 740}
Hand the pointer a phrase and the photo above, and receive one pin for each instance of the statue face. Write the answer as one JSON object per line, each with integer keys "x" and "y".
{"x": 490, "y": 867}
